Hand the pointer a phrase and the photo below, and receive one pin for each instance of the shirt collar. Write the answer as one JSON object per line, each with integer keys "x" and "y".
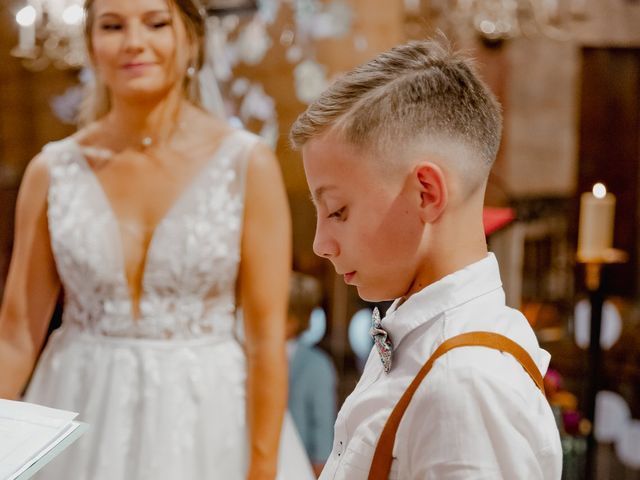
{"x": 473, "y": 281}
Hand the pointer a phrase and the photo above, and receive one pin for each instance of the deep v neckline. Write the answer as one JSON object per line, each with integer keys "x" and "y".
{"x": 191, "y": 185}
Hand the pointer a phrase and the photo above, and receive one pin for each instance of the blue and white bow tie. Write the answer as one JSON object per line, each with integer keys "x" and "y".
{"x": 382, "y": 340}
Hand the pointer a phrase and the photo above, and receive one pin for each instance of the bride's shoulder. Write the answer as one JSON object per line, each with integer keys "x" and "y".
{"x": 90, "y": 135}
{"x": 206, "y": 123}
{"x": 57, "y": 155}
{"x": 87, "y": 136}
{"x": 217, "y": 129}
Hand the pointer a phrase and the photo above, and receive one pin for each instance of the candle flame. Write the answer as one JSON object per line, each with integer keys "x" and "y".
{"x": 26, "y": 16}
{"x": 599, "y": 190}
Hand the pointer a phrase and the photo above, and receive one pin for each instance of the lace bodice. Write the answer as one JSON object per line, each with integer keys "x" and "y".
{"x": 188, "y": 284}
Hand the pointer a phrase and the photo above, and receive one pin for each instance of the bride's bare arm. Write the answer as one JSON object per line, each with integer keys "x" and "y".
{"x": 264, "y": 285}
{"x": 32, "y": 285}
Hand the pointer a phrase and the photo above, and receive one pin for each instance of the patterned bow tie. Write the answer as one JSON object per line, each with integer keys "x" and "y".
{"x": 382, "y": 340}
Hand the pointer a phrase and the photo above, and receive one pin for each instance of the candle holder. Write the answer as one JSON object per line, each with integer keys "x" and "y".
{"x": 593, "y": 265}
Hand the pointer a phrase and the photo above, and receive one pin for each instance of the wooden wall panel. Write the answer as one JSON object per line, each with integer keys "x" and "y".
{"x": 610, "y": 148}
{"x": 26, "y": 122}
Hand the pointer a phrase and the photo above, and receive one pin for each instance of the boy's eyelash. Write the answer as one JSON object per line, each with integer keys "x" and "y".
{"x": 338, "y": 213}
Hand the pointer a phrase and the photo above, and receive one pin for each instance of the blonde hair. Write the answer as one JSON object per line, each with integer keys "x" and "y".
{"x": 421, "y": 94}
{"x": 96, "y": 101}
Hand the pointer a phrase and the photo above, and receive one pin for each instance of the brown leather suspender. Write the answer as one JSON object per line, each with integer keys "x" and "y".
{"x": 382, "y": 458}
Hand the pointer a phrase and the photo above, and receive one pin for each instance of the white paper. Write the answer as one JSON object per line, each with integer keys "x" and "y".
{"x": 27, "y": 432}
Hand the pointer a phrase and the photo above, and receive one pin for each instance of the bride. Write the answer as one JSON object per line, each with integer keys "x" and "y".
{"x": 158, "y": 221}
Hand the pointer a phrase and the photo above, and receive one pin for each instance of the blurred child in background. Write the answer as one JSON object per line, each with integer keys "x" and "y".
{"x": 312, "y": 376}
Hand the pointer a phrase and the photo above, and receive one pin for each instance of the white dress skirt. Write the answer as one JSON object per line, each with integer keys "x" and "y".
{"x": 156, "y": 409}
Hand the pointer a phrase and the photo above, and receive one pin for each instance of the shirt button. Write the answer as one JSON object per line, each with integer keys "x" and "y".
{"x": 339, "y": 448}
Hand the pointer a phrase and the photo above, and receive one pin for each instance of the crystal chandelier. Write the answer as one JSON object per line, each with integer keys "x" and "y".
{"x": 497, "y": 20}
{"x": 50, "y": 32}
{"x": 503, "y": 19}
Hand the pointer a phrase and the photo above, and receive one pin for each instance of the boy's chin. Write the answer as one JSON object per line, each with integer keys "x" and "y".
{"x": 374, "y": 295}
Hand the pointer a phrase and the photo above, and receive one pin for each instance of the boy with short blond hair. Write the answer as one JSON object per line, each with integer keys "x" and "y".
{"x": 397, "y": 154}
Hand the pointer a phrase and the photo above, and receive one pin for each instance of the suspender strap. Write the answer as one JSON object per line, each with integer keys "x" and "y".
{"x": 382, "y": 458}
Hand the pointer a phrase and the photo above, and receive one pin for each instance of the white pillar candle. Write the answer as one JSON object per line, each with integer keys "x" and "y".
{"x": 26, "y": 19}
{"x": 595, "y": 232}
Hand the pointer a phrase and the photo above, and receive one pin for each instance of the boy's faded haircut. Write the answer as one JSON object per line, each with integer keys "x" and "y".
{"x": 418, "y": 95}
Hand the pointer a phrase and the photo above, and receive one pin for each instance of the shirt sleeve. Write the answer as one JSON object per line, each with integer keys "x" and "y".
{"x": 467, "y": 423}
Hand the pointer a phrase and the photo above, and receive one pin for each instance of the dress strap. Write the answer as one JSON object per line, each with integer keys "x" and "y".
{"x": 382, "y": 458}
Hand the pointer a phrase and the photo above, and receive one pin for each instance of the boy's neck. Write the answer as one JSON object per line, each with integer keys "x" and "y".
{"x": 436, "y": 270}
{"x": 455, "y": 244}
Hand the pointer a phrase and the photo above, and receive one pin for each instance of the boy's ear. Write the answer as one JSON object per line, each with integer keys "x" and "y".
{"x": 434, "y": 194}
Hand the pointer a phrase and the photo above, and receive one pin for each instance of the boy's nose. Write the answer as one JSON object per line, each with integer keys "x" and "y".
{"x": 324, "y": 246}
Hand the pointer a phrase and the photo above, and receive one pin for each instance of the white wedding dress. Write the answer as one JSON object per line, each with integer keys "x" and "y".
{"x": 163, "y": 394}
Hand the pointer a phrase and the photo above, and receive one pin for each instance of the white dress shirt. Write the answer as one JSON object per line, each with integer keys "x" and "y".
{"x": 477, "y": 414}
